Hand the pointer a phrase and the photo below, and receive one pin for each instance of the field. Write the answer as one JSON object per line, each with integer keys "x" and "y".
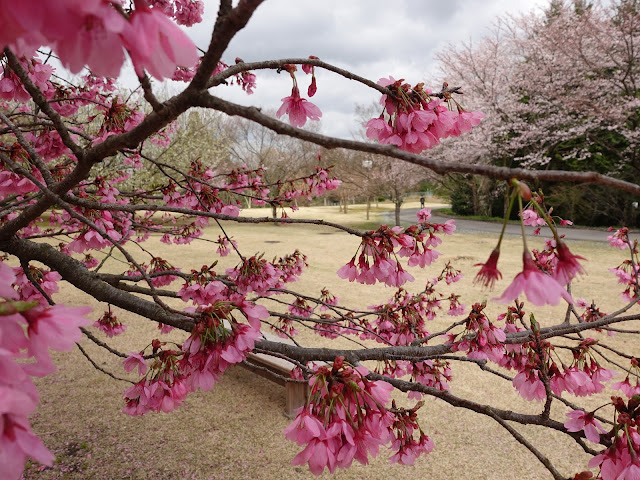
{"x": 235, "y": 431}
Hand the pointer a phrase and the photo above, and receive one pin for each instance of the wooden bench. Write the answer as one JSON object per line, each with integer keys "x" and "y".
{"x": 278, "y": 370}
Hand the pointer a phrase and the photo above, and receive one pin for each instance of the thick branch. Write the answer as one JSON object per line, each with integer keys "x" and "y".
{"x": 77, "y": 274}
{"x": 229, "y": 22}
{"x": 502, "y": 173}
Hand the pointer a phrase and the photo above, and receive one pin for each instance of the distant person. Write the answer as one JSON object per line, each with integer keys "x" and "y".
{"x": 421, "y": 201}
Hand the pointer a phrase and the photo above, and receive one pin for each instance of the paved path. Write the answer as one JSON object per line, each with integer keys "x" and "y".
{"x": 408, "y": 216}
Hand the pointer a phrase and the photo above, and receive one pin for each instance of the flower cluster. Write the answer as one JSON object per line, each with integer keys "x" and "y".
{"x": 376, "y": 263}
{"x": 430, "y": 373}
{"x": 480, "y": 339}
{"x": 27, "y": 331}
{"x": 416, "y": 118}
{"x": 26, "y": 291}
{"x": 627, "y": 273}
{"x": 620, "y": 460}
{"x": 625, "y": 386}
{"x": 158, "y": 272}
{"x": 223, "y": 245}
{"x": 619, "y": 238}
{"x": 153, "y": 41}
{"x": 401, "y": 320}
{"x": 406, "y": 447}
{"x": 215, "y": 343}
{"x": 254, "y": 274}
{"x": 345, "y": 418}
{"x": 584, "y": 377}
{"x": 109, "y": 324}
{"x": 162, "y": 389}
{"x": 298, "y": 108}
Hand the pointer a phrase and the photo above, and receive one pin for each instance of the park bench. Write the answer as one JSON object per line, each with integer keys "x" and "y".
{"x": 278, "y": 370}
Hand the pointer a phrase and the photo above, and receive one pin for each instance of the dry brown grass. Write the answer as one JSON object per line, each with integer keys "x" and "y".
{"x": 235, "y": 431}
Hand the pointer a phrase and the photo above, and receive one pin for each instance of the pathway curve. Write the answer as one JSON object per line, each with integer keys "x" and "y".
{"x": 408, "y": 216}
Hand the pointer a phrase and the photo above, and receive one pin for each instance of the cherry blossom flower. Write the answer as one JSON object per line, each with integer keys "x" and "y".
{"x": 489, "y": 272}
{"x": 188, "y": 12}
{"x": 298, "y": 109}
{"x": 567, "y": 266}
{"x": 417, "y": 121}
{"x": 109, "y": 325}
{"x": 98, "y": 41}
{"x": 466, "y": 120}
{"x": 55, "y": 327}
{"x": 17, "y": 442}
{"x": 626, "y": 387}
{"x": 164, "y": 328}
{"x": 135, "y": 360}
{"x": 540, "y": 288}
{"x": 7, "y": 277}
{"x": 529, "y": 385}
{"x": 531, "y": 217}
{"x": 580, "y": 420}
{"x": 620, "y": 238}
{"x": 156, "y": 44}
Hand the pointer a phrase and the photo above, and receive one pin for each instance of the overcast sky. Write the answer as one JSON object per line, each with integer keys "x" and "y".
{"x": 372, "y": 38}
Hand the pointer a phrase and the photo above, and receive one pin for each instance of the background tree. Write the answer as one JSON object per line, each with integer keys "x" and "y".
{"x": 561, "y": 92}
{"x": 279, "y": 157}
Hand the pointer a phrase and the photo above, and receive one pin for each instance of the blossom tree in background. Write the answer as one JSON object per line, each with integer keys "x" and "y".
{"x": 560, "y": 92}
{"x": 63, "y": 217}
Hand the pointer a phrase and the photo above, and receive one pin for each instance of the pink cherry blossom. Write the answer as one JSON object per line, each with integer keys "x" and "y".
{"x": 135, "y": 360}
{"x": 188, "y": 12}
{"x": 540, "y": 288}
{"x": 298, "y": 109}
{"x": 7, "y": 277}
{"x": 531, "y": 217}
{"x": 580, "y": 420}
{"x": 620, "y": 238}
{"x": 567, "y": 266}
{"x": 156, "y": 44}
{"x": 109, "y": 325}
{"x": 17, "y": 442}
{"x": 424, "y": 214}
{"x": 489, "y": 272}
{"x": 304, "y": 428}
{"x": 626, "y": 387}
{"x": 98, "y": 42}
{"x": 55, "y": 327}
{"x": 529, "y": 385}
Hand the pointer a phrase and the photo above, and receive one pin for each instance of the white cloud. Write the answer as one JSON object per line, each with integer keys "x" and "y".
{"x": 373, "y": 38}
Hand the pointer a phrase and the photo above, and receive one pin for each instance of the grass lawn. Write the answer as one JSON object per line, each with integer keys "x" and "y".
{"x": 235, "y": 431}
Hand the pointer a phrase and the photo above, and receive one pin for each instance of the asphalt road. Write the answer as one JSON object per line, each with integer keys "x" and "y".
{"x": 408, "y": 216}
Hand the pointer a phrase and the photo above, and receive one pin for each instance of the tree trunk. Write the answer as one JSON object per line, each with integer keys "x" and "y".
{"x": 274, "y": 211}
{"x": 368, "y": 205}
{"x": 474, "y": 197}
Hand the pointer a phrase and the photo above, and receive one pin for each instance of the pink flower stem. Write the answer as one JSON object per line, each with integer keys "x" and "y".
{"x": 632, "y": 452}
{"x": 506, "y": 219}
{"x": 524, "y": 235}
